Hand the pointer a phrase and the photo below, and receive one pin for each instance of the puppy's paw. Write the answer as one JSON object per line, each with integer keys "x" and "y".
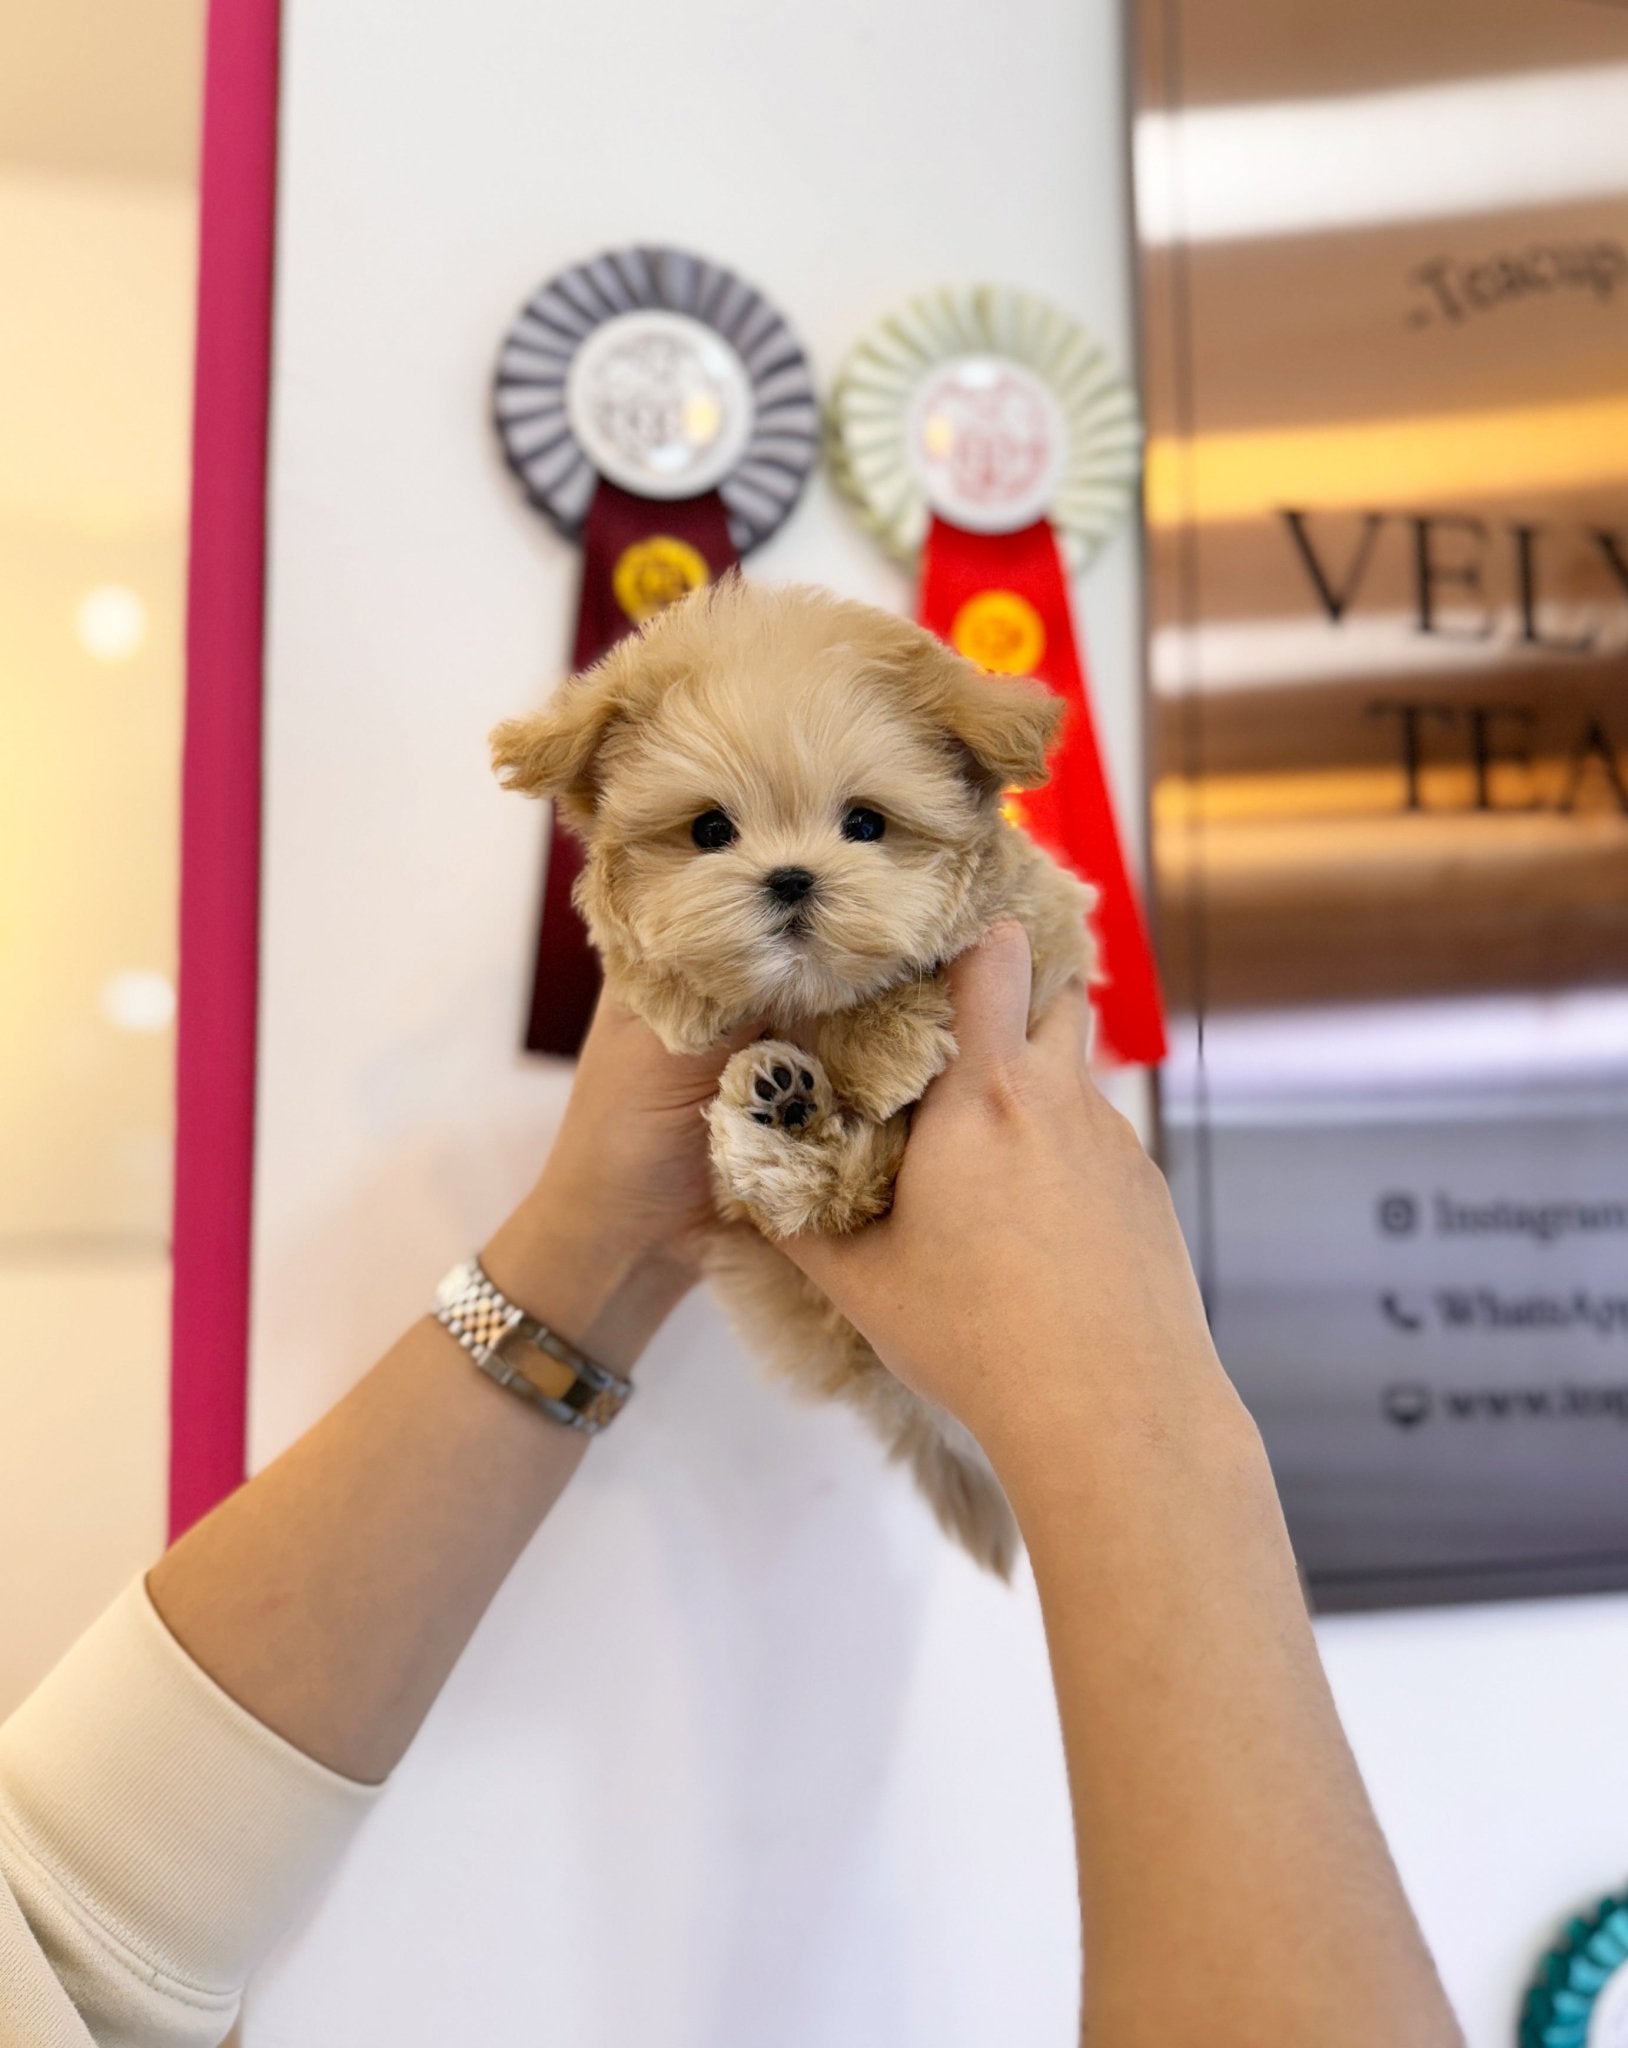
{"x": 882, "y": 1054}
{"x": 784, "y": 1157}
{"x": 778, "y": 1086}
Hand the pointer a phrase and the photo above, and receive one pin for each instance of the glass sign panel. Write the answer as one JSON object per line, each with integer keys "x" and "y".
{"x": 1384, "y": 264}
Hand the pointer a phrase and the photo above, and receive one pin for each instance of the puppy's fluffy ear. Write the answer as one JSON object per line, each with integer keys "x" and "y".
{"x": 553, "y": 751}
{"x": 1004, "y": 724}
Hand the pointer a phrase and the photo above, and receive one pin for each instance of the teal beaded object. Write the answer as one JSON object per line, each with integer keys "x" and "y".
{"x": 1564, "y": 2007}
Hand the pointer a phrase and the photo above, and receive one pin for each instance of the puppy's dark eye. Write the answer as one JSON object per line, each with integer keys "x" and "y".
{"x": 863, "y": 823}
{"x": 713, "y": 830}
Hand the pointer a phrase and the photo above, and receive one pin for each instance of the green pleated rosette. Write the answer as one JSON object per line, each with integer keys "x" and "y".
{"x": 1566, "y": 1999}
{"x": 869, "y": 411}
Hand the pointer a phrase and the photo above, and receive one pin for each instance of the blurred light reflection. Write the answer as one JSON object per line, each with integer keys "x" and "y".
{"x": 1419, "y": 152}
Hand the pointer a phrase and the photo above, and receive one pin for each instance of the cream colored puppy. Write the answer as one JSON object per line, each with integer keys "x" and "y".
{"x": 792, "y": 811}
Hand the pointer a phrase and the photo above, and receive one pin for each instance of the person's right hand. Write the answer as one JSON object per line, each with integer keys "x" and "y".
{"x": 1031, "y": 1277}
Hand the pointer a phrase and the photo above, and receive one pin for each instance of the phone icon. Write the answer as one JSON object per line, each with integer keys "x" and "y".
{"x": 1399, "y": 1317}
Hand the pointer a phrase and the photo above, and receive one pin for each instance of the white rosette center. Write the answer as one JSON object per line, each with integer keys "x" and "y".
{"x": 660, "y": 404}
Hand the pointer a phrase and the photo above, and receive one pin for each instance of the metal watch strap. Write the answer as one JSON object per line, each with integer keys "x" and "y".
{"x": 586, "y": 1396}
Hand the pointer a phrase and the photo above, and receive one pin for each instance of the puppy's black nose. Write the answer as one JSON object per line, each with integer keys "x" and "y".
{"x": 788, "y": 885}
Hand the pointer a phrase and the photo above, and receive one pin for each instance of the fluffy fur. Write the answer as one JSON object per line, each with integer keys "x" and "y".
{"x": 785, "y": 708}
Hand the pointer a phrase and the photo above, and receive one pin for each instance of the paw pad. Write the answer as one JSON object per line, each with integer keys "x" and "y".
{"x": 787, "y": 1096}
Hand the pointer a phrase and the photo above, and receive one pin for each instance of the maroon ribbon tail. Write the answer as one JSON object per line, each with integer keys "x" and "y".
{"x": 565, "y": 975}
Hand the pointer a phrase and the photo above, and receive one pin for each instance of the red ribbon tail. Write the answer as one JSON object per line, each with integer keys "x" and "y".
{"x": 1004, "y": 598}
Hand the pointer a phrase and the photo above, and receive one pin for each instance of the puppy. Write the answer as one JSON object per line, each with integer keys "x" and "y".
{"x": 792, "y": 807}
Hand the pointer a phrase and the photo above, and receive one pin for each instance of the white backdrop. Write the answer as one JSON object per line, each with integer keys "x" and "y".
{"x": 744, "y": 1755}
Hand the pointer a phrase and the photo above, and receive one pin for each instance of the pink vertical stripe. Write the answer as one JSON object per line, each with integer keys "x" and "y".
{"x": 220, "y": 780}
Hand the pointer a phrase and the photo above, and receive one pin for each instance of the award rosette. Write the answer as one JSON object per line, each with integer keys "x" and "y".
{"x": 982, "y": 435}
{"x": 1580, "y": 1999}
{"x": 660, "y": 412}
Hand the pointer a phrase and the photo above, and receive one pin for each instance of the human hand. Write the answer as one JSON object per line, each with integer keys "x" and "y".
{"x": 615, "y": 1213}
{"x": 1031, "y": 1277}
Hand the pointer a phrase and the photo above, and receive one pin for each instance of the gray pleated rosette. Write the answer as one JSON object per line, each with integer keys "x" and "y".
{"x": 665, "y": 372}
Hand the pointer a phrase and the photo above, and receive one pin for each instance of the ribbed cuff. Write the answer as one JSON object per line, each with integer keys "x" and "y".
{"x": 185, "y": 1829}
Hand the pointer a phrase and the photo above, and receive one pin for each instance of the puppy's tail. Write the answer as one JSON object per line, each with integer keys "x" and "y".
{"x": 965, "y": 1495}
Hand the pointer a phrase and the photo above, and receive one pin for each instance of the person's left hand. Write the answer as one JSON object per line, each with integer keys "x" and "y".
{"x": 625, "y": 1190}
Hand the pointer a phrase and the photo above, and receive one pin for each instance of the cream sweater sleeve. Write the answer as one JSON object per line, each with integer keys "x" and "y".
{"x": 154, "y": 1841}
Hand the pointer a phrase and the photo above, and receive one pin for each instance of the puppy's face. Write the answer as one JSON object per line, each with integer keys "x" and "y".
{"x": 784, "y": 796}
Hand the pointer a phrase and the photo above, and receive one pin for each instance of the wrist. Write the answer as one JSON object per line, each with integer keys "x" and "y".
{"x": 1064, "y": 1465}
{"x": 605, "y": 1287}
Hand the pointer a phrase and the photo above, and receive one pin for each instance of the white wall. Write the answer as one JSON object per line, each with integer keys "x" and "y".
{"x": 743, "y": 1755}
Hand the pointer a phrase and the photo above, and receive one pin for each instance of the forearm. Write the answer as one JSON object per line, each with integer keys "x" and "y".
{"x": 333, "y": 1593}
{"x": 1234, "y": 1884}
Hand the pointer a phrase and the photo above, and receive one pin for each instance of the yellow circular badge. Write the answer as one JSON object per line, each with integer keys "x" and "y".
{"x": 1000, "y": 631}
{"x": 652, "y": 574}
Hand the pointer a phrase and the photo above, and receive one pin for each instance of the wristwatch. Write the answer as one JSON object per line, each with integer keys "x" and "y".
{"x": 542, "y": 1368}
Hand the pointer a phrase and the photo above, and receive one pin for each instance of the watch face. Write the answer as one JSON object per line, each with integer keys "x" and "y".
{"x": 987, "y": 443}
{"x": 660, "y": 403}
